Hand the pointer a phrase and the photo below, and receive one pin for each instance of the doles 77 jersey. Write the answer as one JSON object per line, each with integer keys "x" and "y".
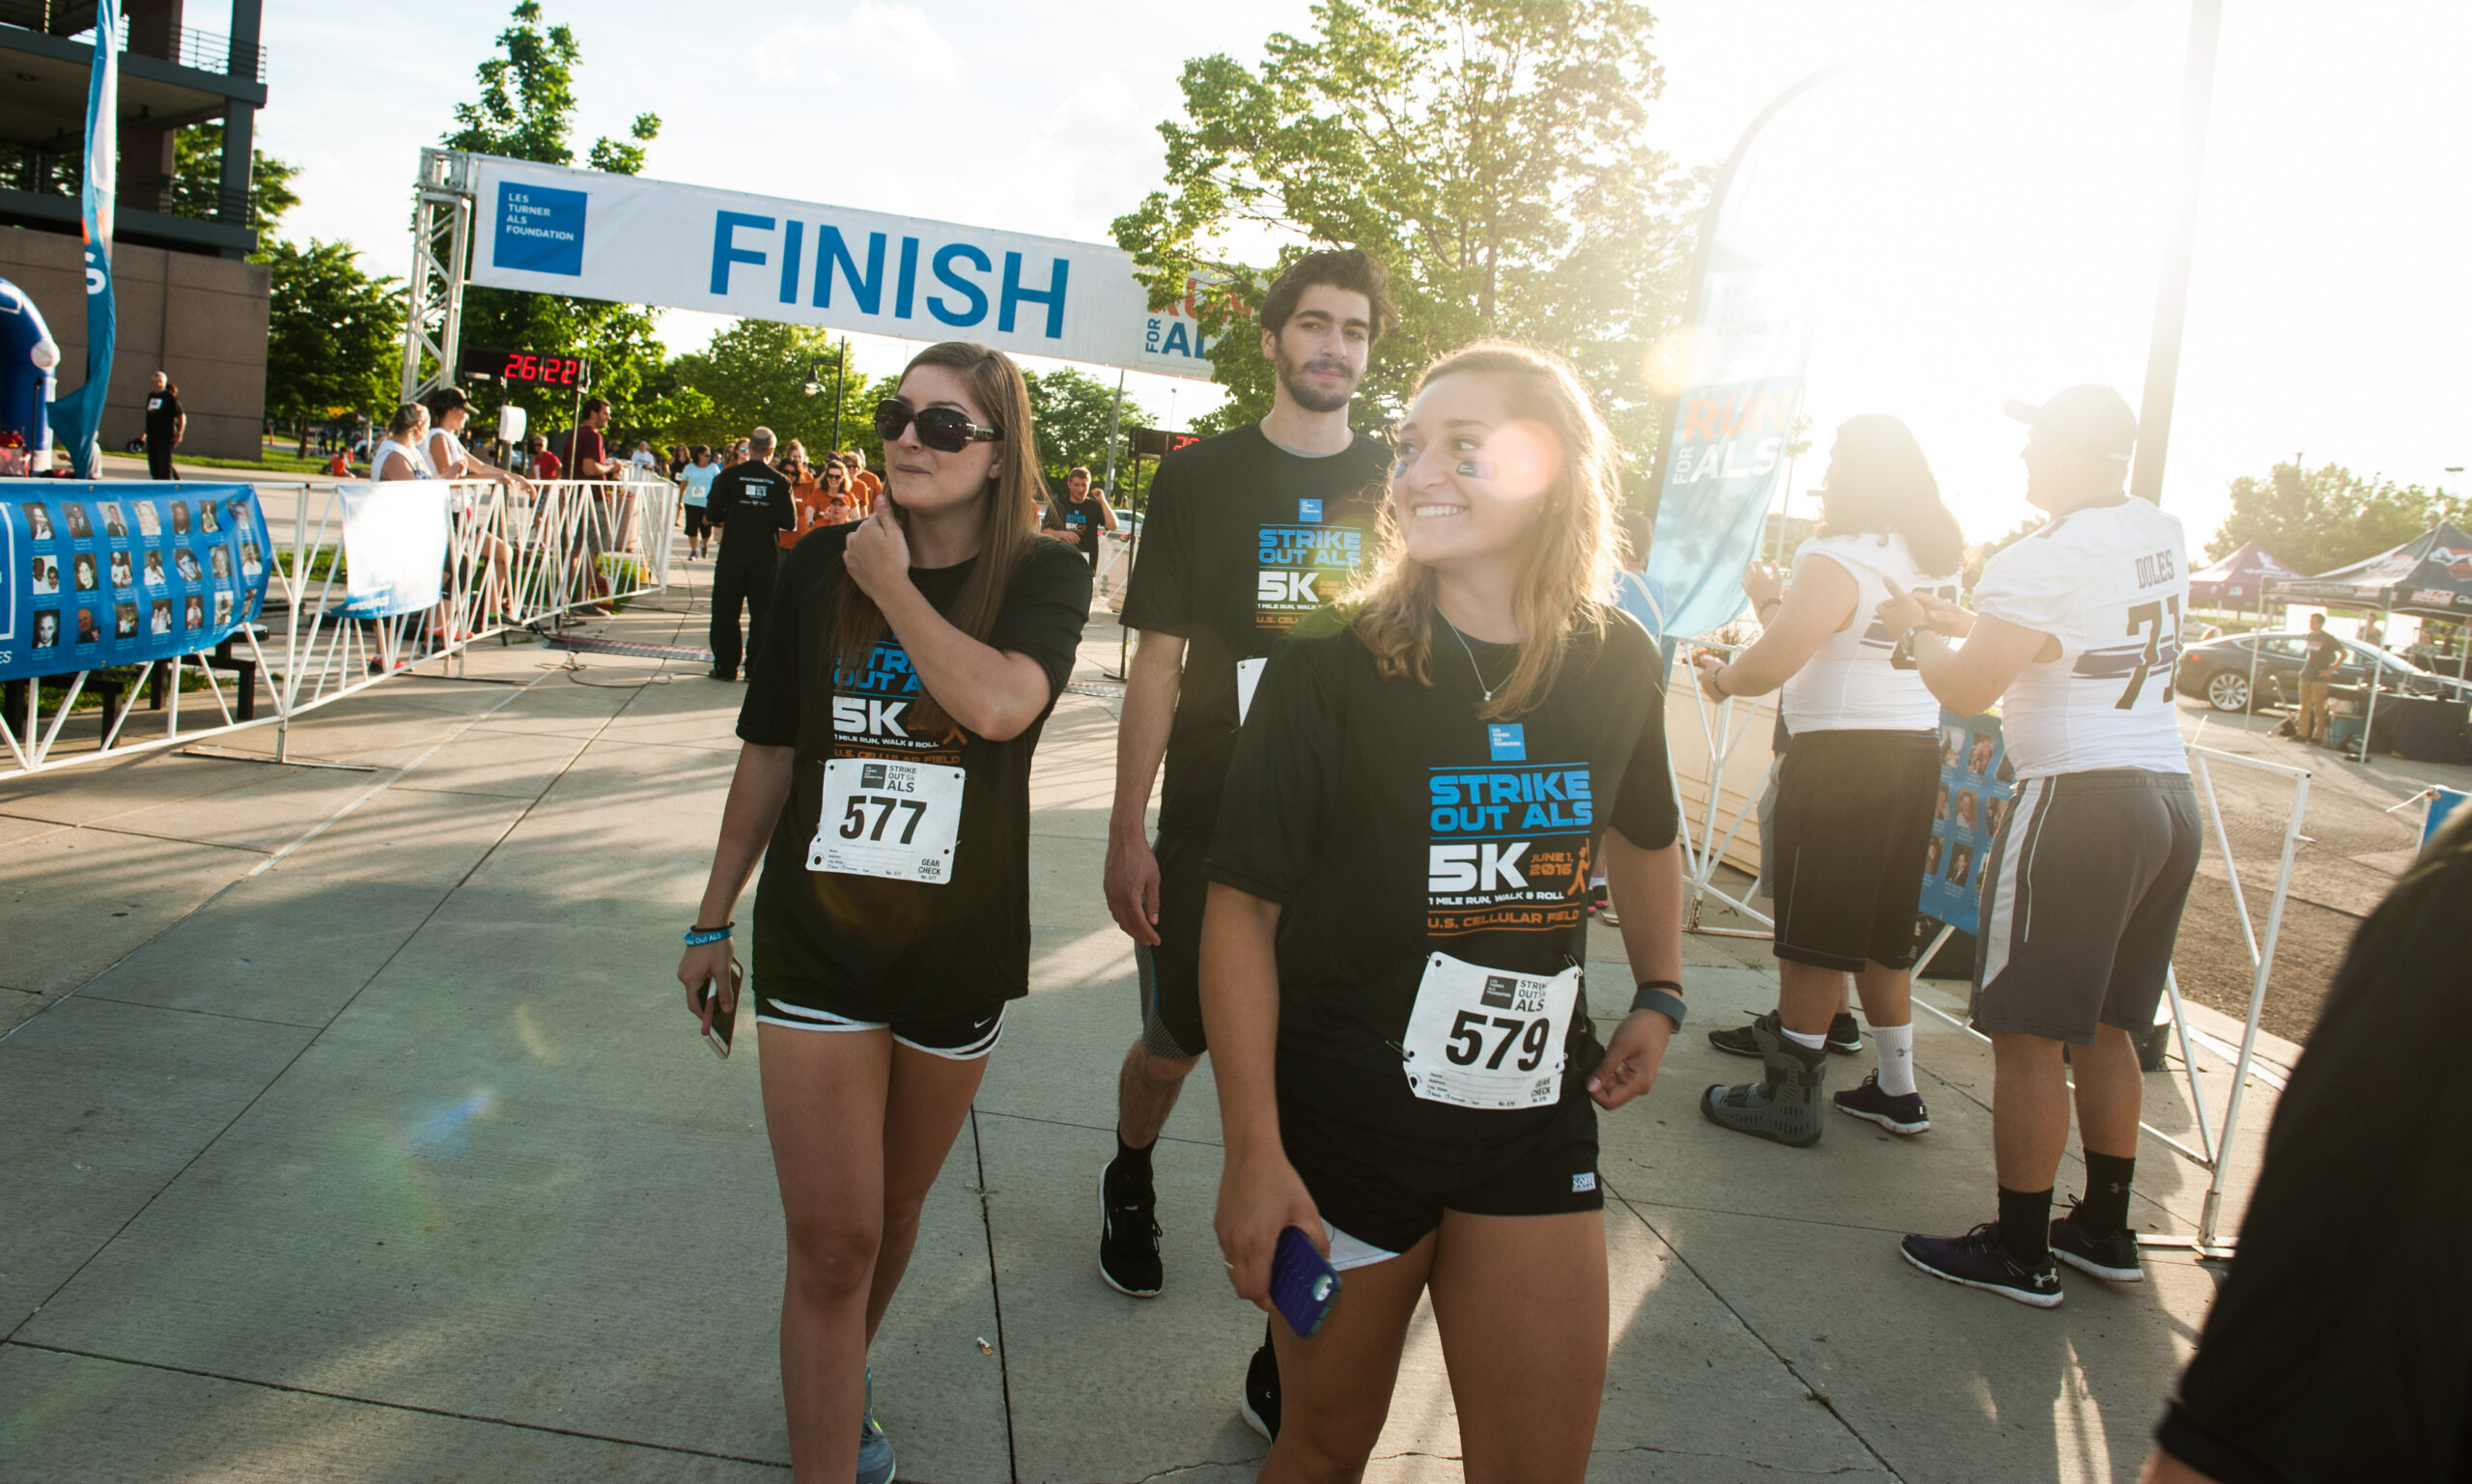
{"x": 2109, "y": 583}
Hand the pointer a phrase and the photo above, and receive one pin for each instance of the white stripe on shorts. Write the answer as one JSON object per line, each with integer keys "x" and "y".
{"x": 2009, "y": 883}
{"x": 822, "y": 1020}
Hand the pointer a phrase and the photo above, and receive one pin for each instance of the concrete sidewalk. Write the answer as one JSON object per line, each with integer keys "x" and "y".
{"x": 356, "y": 1132}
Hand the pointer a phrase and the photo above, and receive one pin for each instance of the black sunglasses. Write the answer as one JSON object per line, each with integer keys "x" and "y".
{"x": 946, "y": 430}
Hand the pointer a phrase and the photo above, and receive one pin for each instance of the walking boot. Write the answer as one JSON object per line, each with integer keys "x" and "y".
{"x": 1784, "y": 1106}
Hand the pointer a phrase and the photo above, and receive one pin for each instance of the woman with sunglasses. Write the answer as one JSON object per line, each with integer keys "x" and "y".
{"x": 1397, "y": 916}
{"x": 839, "y": 507}
{"x": 891, "y": 710}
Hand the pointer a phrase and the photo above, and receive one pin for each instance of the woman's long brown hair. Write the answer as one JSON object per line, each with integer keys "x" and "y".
{"x": 1009, "y": 515}
{"x": 1570, "y": 541}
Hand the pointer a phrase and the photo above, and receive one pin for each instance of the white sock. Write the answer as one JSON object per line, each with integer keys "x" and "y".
{"x": 1816, "y": 1043}
{"x": 1897, "y": 1058}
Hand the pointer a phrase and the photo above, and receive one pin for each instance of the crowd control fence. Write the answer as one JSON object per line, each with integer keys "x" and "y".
{"x": 517, "y": 558}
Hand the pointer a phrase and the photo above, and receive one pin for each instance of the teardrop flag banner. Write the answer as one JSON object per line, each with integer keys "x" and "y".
{"x": 76, "y": 417}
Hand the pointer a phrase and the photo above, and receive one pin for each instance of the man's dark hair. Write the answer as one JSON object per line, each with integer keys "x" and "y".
{"x": 2317, "y": 620}
{"x": 1347, "y": 268}
{"x": 591, "y": 404}
{"x": 443, "y": 400}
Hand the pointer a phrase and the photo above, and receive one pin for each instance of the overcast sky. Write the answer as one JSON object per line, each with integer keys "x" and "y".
{"x": 2015, "y": 160}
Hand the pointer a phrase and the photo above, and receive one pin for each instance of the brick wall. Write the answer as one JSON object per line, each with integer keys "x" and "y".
{"x": 201, "y": 319}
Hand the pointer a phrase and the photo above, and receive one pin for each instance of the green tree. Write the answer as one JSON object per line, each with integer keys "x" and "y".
{"x": 1489, "y": 152}
{"x": 525, "y": 110}
{"x": 197, "y": 181}
{"x": 2317, "y": 519}
{"x": 756, "y": 373}
{"x": 333, "y": 333}
{"x": 1073, "y": 413}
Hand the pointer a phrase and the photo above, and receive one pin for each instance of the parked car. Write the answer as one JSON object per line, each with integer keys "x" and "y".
{"x": 2217, "y": 671}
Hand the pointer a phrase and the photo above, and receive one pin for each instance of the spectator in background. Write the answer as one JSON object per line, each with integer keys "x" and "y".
{"x": 165, "y": 422}
{"x": 403, "y": 453}
{"x": 2318, "y": 668}
{"x": 449, "y": 409}
{"x": 643, "y": 457}
{"x": 587, "y": 456}
{"x": 2312, "y": 1370}
{"x": 544, "y": 463}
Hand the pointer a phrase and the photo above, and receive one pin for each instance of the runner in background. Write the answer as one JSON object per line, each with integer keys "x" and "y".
{"x": 694, "y": 491}
{"x": 750, "y": 502}
{"x": 2078, "y": 630}
{"x": 889, "y": 729}
{"x": 1079, "y": 517}
{"x": 840, "y": 507}
{"x": 1855, "y": 789}
{"x": 807, "y": 495}
{"x": 863, "y": 482}
{"x": 1406, "y": 1059}
{"x": 1249, "y": 533}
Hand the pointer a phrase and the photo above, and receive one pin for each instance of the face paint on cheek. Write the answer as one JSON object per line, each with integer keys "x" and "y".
{"x": 1473, "y": 468}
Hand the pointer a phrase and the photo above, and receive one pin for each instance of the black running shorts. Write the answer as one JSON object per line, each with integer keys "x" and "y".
{"x": 1170, "y": 973}
{"x": 2089, "y": 874}
{"x": 1853, "y": 820}
{"x": 965, "y": 1037}
{"x": 1387, "y": 1196}
{"x": 696, "y": 522}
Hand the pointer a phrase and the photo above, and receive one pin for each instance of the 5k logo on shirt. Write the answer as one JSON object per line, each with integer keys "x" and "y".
{"x": 1291, "y": 558}
{"x": 1508, "y": 848}
{"x": 870, "y": 708}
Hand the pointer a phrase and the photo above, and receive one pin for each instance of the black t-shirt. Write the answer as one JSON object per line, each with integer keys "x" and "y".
{"x": 2327, "y": 1361}
{"x": 2325, "y": 657}
{"x": 1242, "y": 540}
{"x": 752, "y": 505}
{"x": 1080, "y": 516}
{"x": 1391, "y": 824}
{"x": 162, "y": 416}
{"x": 887, "y": 949}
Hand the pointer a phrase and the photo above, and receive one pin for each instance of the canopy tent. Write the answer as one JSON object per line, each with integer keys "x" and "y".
{"x": 2430, "y": 576}
{"x": 2238, "y": 579}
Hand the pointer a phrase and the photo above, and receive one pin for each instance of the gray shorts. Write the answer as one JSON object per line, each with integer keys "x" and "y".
{"x": 2089, "y": 874}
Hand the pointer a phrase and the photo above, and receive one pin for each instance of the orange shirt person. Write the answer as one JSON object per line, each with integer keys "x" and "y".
{"x": 866, "y": 486}
{"x": 806, "y": 497}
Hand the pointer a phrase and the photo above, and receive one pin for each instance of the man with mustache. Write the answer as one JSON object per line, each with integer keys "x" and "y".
{"x": 1249, "y": 533}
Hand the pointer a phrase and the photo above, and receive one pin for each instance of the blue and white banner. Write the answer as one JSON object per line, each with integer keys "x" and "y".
{"x": 76, "y": 416}
{"x": 394, "y": 547}
{"x": 550, "y": 230}
{"x": 99, "y": 575}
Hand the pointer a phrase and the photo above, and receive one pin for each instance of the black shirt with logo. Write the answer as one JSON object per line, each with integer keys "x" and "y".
{"x": 880, "y": 948}
{"x": 1079, "y": 517}
{"x": 1242, "y": 541}
{"x": 1392, "y": 824}
{"x": 162, "y": 416}
{"x": 2325, "y": 658}
{"x": 752, "y": 505}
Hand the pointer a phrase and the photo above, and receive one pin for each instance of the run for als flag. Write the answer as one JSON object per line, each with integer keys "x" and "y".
{"x": 101, "y": 574}
{"x": 1738, "y": 365}
{"x": 75, "y": 416}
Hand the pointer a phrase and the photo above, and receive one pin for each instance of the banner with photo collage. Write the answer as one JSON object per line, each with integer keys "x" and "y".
{"x": 119, "y": 573}
{"x": 1974, "y": 795}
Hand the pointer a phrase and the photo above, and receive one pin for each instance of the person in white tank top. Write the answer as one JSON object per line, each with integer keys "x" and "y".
{"x": 399, "y": 454}
{"x": 1854, "y": 791}
{"x": 449, "y": 410}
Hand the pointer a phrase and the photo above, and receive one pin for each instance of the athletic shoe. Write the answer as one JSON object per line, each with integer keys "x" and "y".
{"x": 1898, "y": 1115}
{"x": 875, "y": 1449}
{"x": 1129, "y": 1235}
{"x": 1782, "y": 1107}
{"x": 722, "y": 675}
{"x": 1977, "y": 1260}
{"x": 1756, "y": 1038}
{"x": 1844, "y": 1036}
{"x": 1259, "y": 1406}
{"x": 2112, "y": 1258}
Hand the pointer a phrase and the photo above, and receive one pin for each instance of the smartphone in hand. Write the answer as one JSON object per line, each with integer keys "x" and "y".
{"x": 1304, "y": 1285}
{"x": 719, "y": 1020}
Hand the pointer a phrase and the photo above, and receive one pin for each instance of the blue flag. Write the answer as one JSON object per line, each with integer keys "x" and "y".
{"x": 76, "y": 416}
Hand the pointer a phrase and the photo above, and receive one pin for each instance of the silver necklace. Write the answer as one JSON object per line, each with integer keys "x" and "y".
{"x": 1470, "y": 653}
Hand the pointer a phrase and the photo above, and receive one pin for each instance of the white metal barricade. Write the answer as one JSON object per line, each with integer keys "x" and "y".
{"x": 516, "y": 557}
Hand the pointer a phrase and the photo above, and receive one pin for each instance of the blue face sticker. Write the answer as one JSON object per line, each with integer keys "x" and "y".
{"x": 1308, "y": 512}
{"x": 1509, "y": 740}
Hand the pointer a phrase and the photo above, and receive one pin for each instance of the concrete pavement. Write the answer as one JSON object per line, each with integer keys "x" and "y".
{"x": 356, "y": 1132}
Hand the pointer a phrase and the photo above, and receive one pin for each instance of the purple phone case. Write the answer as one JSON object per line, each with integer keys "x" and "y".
{"x": 1302, "y": 1283}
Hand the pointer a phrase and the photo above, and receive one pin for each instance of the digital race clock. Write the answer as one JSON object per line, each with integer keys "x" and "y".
{"x": 523, "y": 368}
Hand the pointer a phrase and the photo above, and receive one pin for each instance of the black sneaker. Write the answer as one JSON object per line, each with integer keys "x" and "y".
{"x": 1129, "y": 1235}
{"x": 1977, "y": 1260}
{"x": 1898, "y": 1115}
{"x": 1844, "y": 1035}
{"x": 1260, "y": 1404}
{"x": 1756, "y": 1038}
{"x": 2112, "y": 1258}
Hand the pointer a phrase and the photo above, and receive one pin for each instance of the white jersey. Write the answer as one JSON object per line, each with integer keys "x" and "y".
{"x": 2109, "y": 582}
{"x": 418, "y": 459}
{"x": 1848, "y": 685}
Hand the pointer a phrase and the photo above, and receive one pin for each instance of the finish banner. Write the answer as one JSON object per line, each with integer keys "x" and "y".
{"x": 550, "y": 230}
{"x": 122, "y": 574}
